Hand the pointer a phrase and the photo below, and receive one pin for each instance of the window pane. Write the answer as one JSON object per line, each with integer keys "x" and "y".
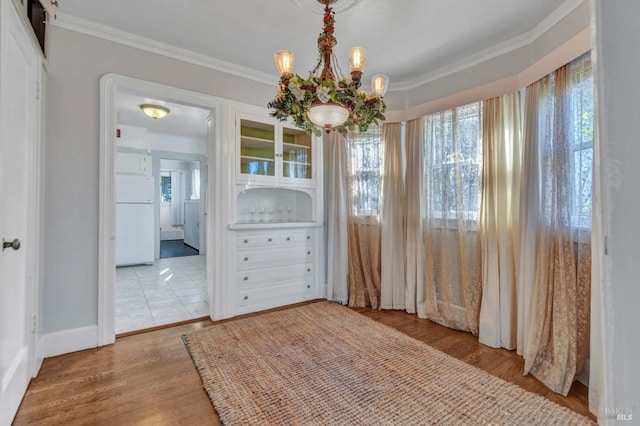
{"x": 583, "y": 184}
{"x": 364, "y": 152}
{"x": 165, "y": 187}
{"x": 453, "y": 160}
{"x": 581, "y": 110}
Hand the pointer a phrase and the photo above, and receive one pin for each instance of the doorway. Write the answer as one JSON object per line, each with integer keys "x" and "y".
{"x": 213, "y": 236}
{"x": 163, "y": 279}
{"x": 180, "y": 196}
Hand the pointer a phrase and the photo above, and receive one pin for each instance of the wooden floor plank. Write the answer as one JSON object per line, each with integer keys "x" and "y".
{"x": 149, "y": 379}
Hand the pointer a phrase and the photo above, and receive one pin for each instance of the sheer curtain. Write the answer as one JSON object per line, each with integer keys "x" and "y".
{"x": 499, "y": 218}
{"x": 413, "y": 207}
{"x": 337, "y": 213}
{"x": 555, "y": 261}
{"x": 364, "y": 187}
{"x": 178, "y": 189}
{"x": 452, "y": 255}
{"x": 392, "y": 282}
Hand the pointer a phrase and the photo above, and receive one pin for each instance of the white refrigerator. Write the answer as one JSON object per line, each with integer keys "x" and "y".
{"x": 134, "y": 220}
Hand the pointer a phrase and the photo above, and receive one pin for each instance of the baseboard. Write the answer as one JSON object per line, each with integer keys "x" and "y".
{"x": 40, "y": 351}
{"x": 66, "y": 341}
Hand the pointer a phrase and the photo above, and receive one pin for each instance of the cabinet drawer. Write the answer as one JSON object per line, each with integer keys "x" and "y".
{"x": 258, "y": 277}
{"x": 297, "y": 237}
{"x": 298, "y": 290}
{"x": 257, "y": 240}
{"x": 273, "y": 257}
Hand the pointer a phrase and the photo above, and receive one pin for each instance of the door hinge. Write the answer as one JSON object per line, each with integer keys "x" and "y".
{"x": 37, "y": 90}
{"x": 35, "y": 324}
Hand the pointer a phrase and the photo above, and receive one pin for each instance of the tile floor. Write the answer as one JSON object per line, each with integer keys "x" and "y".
{"x": 170, "y": 290}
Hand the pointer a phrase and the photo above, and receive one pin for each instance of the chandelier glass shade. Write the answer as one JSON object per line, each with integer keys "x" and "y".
{"x": 325, "y": 99}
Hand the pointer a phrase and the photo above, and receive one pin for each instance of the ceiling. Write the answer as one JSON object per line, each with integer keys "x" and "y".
{"x": 182, "y": 120}
{"x": 405, "y": 39}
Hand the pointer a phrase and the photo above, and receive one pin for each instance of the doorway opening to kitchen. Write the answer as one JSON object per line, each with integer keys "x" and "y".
{"x": 161, "y": 191}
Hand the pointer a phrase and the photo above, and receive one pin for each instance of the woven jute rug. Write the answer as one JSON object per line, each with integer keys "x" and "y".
{"x": 325, "y": 364}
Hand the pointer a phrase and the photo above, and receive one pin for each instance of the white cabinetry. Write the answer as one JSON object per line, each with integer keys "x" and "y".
{"x": 133, "y": 164}
{"x": 192, "y": 223}
{"x": 274, "y": 267}
{"x": 272, "y": 152}
{"x": 276, "y": 254}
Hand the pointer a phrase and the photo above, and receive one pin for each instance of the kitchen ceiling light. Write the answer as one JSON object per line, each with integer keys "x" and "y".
{"x": 155, "y": 111}
{"x": 328, "y": 100}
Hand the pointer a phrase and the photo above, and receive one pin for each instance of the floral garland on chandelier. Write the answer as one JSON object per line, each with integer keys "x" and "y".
{"x": 296, "y": 94}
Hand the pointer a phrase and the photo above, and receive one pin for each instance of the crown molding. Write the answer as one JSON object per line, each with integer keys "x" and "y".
{"x": 94, "y": 29}
{"x": 522, "y": 40}
{"x": 85, "y": 26}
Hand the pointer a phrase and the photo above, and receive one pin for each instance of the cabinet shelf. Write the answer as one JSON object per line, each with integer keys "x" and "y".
{"x": 295, "y": 146}
{"x": 296, "y": 162}
{"x": 250, "y": 142}
{"x": 252, "y": 157}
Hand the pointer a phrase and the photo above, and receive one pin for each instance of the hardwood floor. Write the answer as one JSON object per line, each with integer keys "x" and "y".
{"x": 149, "y": 379}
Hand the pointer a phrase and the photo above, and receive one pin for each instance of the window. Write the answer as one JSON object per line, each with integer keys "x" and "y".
{"x": 165, "y": 188}
{"x": 453, "y": 162}
{"x": 365, "y": 160}
{"x": 581, "y": 109}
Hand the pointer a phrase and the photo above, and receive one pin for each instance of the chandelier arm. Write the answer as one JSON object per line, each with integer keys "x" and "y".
{"x": 315, "y": 69}
{"x": 337, "y": 66}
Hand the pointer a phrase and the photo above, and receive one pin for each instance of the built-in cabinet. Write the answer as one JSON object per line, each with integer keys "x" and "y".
{"x": 273, "y": 153}
{"x": 275, "y": 267}
{"x": 276, "y": 256}
{"x": 130, "y": 163}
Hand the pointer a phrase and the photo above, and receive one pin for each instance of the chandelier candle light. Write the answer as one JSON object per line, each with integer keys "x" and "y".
{"x": 322, "y": 101}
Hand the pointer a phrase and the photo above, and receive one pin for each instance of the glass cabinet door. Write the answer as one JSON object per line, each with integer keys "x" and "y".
{"x": 257, "y": 148}
{"x": 297, "y": 152}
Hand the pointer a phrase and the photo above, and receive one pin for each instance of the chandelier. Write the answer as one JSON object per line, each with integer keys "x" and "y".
{"x": 327, "y": 100}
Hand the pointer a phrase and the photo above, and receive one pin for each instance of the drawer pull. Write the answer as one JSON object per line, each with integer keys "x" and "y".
{"x": 308, "y": 237}
{"x": 246, "y": 278}
{"x": 288, "y": 238}
{"x": 246, "y": 298}
{"x": 246, "y": 259}
{"x": 270, "y": 239}
{"x": 308, "y": 285}
{"x": 308, "y": 269}
{"x": 246, "y": 241}
{"x": 308, "y": 252}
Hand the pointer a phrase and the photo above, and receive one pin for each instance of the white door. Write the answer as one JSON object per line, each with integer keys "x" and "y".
{"x": 18, "y": 68}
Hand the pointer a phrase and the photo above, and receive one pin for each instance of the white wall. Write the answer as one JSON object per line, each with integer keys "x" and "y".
{"x": 618, "y": 112}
